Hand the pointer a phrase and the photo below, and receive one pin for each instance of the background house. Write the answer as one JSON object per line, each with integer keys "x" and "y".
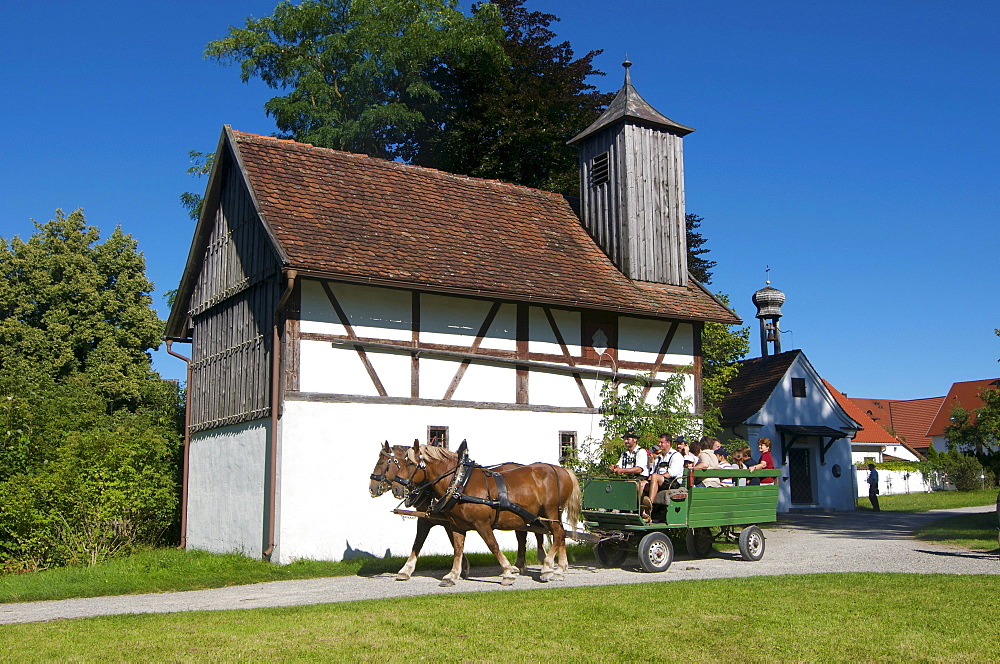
{"x": 908, "y": 420}
{"x": 872, "y": 443}
{"x": 333, "y": 301}
{"x": 961, "y": 395}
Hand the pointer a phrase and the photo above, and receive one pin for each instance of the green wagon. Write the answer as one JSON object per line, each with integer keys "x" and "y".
{"x": 704, "y": 514}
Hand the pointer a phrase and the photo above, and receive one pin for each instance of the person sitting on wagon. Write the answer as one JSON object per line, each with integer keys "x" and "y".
{"x": 667, "y": 467}
{"x": 681, "y": 446}
{"x": 634, "y": 461}
{"x": 766, "y": 460}
{"x": 707, "y": 460}
{"x": 723, "y": 458}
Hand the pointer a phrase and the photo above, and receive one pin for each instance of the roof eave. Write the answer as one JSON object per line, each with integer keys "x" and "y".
{"x": 316, "y": 273}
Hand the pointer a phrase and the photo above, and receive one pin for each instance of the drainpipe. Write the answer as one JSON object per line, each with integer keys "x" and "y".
{"x": 276, "y": 393}
{"x": 187, "y": 442}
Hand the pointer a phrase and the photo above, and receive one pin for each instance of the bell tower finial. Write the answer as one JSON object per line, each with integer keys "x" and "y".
{"x": 627, "y": 64}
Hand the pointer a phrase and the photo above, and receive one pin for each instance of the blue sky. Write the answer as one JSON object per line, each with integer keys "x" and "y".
{"x": 852, "y": 147}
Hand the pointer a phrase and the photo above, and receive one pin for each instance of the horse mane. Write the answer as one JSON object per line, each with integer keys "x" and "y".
{"x": 435, "y": 453}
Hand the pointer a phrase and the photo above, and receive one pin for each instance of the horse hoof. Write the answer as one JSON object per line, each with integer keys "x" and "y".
{"x": 507, "y": 581}
{"x": 402, "y": 577}
{"x": 465, "y": 575}
{"x": 446, "y": 583}
{"x": 546, "y": 577}
{"x": 558, "y": 577}
{"x": 521, "y": 570}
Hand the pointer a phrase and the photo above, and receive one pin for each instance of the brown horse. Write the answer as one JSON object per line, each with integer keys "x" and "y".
{"x": 538, "y": 490}
{"x": 379, "y": 484}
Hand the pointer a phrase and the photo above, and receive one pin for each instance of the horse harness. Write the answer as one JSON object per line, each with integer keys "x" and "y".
{"x": 455, "y": 493}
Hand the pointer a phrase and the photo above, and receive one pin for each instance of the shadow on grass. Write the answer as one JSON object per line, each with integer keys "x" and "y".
{"x": 487, "y": 561}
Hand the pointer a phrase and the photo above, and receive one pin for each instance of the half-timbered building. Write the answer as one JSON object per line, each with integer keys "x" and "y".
{"x": 333, "y": 301}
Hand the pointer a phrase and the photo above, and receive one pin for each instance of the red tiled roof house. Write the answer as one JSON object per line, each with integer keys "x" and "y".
{"x": 333, "y": 301}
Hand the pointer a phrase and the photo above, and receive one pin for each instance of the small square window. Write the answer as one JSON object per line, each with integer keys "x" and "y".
{"x": 567, "y": 447}
{"x": 437, "y": 437}
{"x": 799, "y": 387}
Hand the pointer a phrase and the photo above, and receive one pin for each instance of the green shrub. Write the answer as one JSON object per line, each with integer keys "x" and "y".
{"x": 965, "y": 472}
{"x": 89, "y": 483}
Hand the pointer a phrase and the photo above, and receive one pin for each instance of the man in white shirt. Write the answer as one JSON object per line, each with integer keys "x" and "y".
{"x": 634, "y": 461}
{"x": 667, "y": 466}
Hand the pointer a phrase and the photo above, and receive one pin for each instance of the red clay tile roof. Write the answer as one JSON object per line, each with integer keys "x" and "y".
{"x": 750, "y": 389}
{"x": 909, "y": 420}
{"x": 966, "y": 395}
{"x": 870, "y": 432}
{"x": 343, "y": 215}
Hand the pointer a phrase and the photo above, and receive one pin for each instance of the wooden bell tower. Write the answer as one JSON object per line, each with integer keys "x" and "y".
{"x": 632, "y": 188}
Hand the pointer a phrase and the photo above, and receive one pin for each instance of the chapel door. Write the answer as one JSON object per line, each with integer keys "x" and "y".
{"x": 800, "y": 475}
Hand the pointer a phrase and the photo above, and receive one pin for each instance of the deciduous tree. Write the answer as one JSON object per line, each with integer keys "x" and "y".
{"x": 72, "y": 305}
{"x": 359, "y": 74}
{"x": 489, "y": 94}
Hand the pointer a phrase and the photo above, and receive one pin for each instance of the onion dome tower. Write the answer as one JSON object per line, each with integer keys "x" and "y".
{"x": 768, "y": 302}
{"x": 632, "y": 188}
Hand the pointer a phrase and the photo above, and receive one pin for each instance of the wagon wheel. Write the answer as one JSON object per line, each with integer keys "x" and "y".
{"x": 699, "y": 542}
{"x": 752, "y": 543}
{"x": 609, "y": 553}
{"x": 656, "y": 552}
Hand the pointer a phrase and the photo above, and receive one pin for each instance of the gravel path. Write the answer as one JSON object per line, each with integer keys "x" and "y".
{"x": 799, "y": 544}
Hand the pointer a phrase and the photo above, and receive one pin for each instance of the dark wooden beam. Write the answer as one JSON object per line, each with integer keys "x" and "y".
{"x": 567, "y": 357}
{"x": 521, "y": 391}
{"x": 490, "y": 359}
{"x": 318, "y": 397}
{"x": 490, "y": 352}
{"x": 483, "y": 329}
{"x": 415, "y": 340}
{"x": 342, "y": 315}
{"x": 664, "y": 348}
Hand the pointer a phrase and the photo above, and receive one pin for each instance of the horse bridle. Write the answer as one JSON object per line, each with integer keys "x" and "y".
{"x": 384, "y": 484}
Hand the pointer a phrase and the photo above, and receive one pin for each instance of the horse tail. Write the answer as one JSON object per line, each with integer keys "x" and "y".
{"x": 573, "y": 506}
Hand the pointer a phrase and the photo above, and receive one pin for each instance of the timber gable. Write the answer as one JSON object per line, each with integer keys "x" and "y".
{"x": 419, "y": 346}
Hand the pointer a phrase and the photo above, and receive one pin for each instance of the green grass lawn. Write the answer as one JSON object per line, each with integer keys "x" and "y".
{"x": 168, "y": 569}
{"x": 837, "y": 617}
{"x": 937, "y": 500}
{"x": 972, "y": 531}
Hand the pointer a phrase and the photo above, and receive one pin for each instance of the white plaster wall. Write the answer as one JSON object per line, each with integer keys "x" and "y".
{"x": 817, "y": 408}
{"x": 543, "y": 339}
{"x": 372, "y": 312}
{"x": 900, "y": 452}
{"x": 640, "y": 340}
{"x": 225, "y": 511}
{"x": 339, "y": 370}
{"x": 547, "y": 388}
{"x": 456, "y": 321}
{"x": 486, "y": 382}
{"x": 329, "y": 450}
{"x": 891, "y": 482}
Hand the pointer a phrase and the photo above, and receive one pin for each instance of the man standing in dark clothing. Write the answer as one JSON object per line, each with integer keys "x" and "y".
{"x": 873, "y": 487}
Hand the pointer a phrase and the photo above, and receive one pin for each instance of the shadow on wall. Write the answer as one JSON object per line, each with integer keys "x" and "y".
{"x": 353, "y": 554}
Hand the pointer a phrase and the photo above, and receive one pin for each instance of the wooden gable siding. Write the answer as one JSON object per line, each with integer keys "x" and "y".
{"x": 232, "y": 311}
{"x": 637, "y": 216}
{"x": 602, "y": 206}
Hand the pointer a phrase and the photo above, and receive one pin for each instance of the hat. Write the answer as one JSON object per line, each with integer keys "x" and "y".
{"x": 630, "y": 434}
{"x": 722, "y": 452}
{"x": 679, "y": 439}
